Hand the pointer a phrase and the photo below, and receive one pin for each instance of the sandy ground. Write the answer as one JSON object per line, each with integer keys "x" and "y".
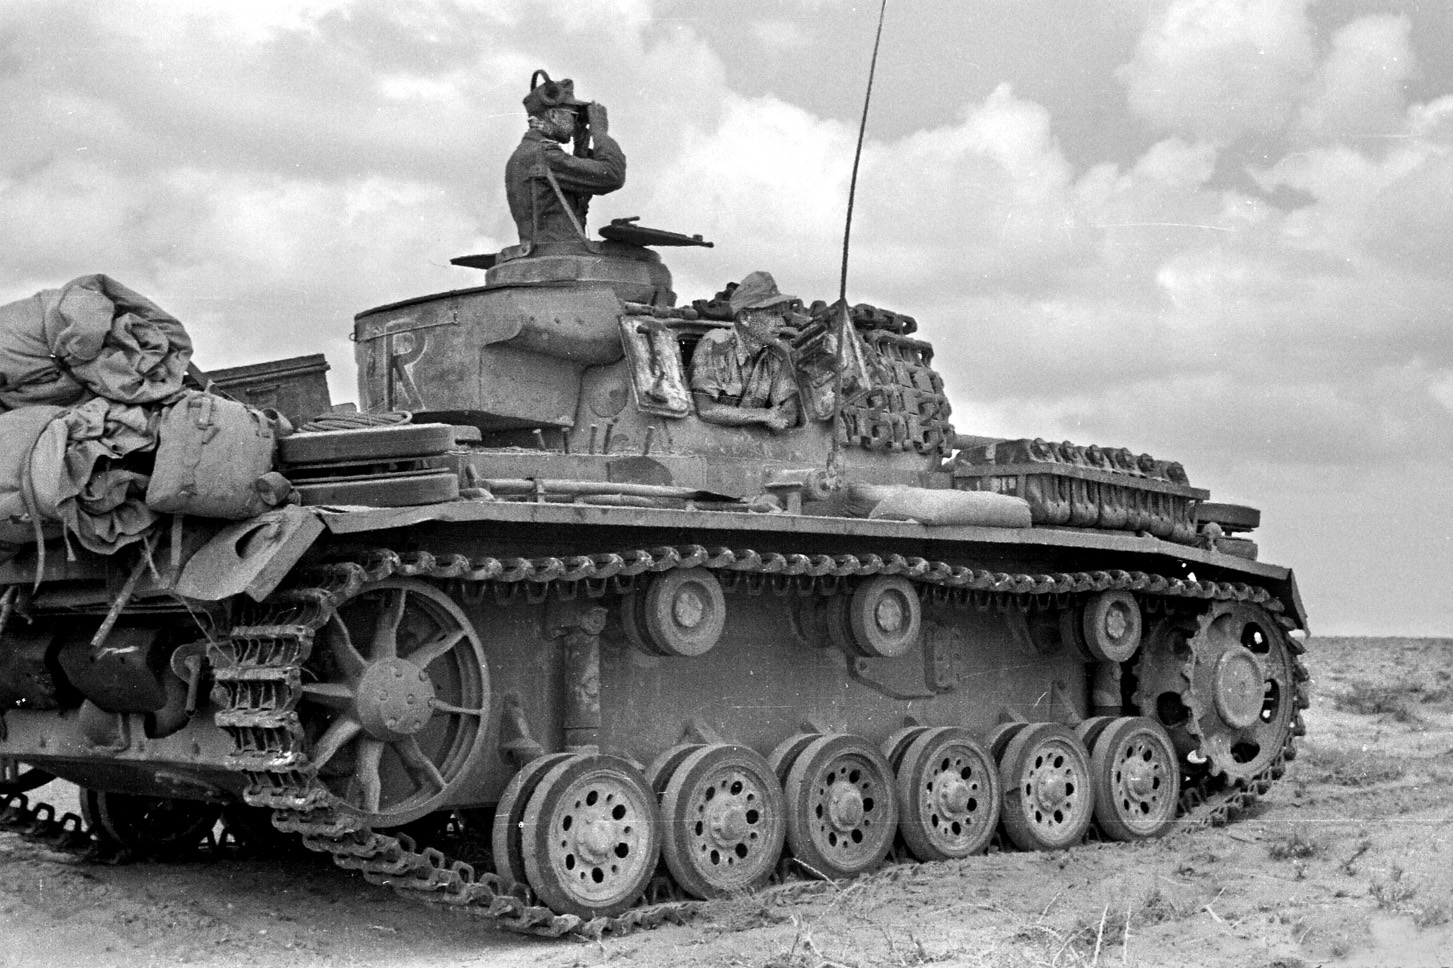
{"x": 1348, "y": 862}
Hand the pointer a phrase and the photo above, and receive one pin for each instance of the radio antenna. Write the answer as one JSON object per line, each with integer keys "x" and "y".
{"x": 835, "y": 460}
{"x": 858, "y": 154}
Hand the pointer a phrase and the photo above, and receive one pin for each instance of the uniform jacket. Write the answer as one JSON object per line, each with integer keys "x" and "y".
{"x": 728, "y": 372}
{"x": 534, "y": 204}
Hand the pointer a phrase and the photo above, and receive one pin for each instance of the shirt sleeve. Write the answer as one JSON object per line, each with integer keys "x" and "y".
{"x": 711, "y": 369}
{"x": 603, "y": 172}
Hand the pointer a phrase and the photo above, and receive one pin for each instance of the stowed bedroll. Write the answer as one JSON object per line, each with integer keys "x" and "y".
{"x": 600, "y": 604}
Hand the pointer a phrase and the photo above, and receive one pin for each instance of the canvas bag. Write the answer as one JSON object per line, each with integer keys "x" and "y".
{"x": 19, "y": 513}
{"x": 215, "y": 459}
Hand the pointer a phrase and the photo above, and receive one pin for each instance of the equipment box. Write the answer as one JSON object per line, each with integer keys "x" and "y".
{"x": 297, "y": 387}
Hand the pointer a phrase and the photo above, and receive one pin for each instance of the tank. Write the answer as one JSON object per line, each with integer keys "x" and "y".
{"x": 572, "y": 633}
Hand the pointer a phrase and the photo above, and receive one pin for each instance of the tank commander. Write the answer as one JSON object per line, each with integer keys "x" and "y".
{"x": 745, "y": 375}
{"x": 548, "y": 189}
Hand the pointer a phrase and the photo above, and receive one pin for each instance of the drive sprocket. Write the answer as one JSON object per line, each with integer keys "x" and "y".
{"x": 1225, "y": 685}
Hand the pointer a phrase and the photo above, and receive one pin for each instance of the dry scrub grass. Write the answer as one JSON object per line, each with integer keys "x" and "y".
{"x": 1348, "y": 768}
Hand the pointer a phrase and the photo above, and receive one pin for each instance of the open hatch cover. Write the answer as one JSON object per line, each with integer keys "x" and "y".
{"x": 624, "y": 230}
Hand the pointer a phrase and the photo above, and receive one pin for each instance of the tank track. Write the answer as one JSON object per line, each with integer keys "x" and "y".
{"x": 268, "y": 650}
{"x": 268, "y": 653}
{"x": 37, "y": 822}
{"x": 69, "y": 834}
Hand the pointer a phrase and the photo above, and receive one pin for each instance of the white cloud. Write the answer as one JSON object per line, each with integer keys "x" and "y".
{"x": 1219, "y": 69}
{"x": 780, "y": 34}
{"x": 1441, "y": 390}
{"x": 1359, "y": 91}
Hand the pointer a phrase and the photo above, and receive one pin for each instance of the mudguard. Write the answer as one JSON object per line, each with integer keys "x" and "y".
{"x": 250, "y": 557}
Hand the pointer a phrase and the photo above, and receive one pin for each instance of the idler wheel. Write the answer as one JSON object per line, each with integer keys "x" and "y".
{"x": 398, "y": 703}
{"x": 1137, "y": 779}
{"x": 948, "y": 794}
{"x": 725, "y": 821}
{"x": 1112, "y": 624}
{"x": 149, "y": 825}
{"x": 880, "y": 620}
{"x": 680, "y": 613}
{"x": 506, "y": 836}
{"x": 841, "y": 809}
{"x": 591, "y": 836}
{"x": 1048, "y": 799}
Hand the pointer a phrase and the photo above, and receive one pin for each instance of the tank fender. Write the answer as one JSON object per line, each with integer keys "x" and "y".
{"x": 250, "y": 557}
{"x": 1292, "y": 597}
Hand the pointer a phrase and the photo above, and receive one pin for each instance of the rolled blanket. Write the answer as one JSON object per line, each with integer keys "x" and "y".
{"x": 937, "y": 507}
{"x": 90, "y": 468}
{"x": 92, "y": 335}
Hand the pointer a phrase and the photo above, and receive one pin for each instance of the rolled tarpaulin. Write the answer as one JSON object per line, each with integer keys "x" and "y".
{"x": 89, "y": 471}
{"x": 91, "y": 336}
{"x": 937, "y": 507}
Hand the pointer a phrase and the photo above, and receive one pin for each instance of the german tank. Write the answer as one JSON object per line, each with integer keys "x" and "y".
{"x": 661, "y": 601}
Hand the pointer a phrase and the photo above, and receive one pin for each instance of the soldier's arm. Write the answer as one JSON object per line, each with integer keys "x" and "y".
{"x": 729, "y": 414}
{"x": 785, "y": 414}
{"x": 603, "y": 172}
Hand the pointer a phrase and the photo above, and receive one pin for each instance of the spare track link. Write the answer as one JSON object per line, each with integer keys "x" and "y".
{"x": 268, "y": 653}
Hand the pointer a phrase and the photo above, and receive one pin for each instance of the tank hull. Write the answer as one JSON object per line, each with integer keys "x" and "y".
{"x": 764, "y": 678}
{"x": 546, "y": 593}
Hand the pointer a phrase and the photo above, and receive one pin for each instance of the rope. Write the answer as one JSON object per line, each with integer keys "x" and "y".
{"x": 355, "y": 421}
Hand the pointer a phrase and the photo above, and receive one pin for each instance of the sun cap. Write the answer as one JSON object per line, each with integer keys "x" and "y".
{"x": 546, "y": 94}
{"x": 757, "y": 291}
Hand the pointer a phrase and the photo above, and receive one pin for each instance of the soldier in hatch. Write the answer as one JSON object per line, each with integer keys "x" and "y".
{"x": 745, "y": 375}
{"x": 549, "y": 190}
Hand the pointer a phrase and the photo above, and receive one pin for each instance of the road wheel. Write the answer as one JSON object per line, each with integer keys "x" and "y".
{"x": 725, "y": 821}
{"x": 1137, "y": 779}
{"x": 1048, "y": 798}
{"x": 841, "y": 810}
{"x": 507, "y": 831}
{"x": 948, "y": 794}
{"x": 591, "y": 836}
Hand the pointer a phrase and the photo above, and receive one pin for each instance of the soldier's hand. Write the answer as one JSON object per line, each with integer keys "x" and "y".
{"x": 599, "y": 121}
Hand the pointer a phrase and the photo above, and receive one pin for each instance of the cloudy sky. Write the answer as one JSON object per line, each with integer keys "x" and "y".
{"x": 1219, "y": 231}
